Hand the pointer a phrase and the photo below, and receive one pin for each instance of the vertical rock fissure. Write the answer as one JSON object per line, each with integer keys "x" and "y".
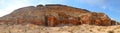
{"x": 46, "y": 20}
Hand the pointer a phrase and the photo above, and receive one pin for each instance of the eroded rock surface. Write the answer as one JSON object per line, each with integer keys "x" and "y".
{"x": 55, "y": 15}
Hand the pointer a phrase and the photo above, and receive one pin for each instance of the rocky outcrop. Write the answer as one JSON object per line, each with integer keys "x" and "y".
{"x": 113, "y": 22}
{"x": 95, "y": 18}
{"x": 55, "y": 15}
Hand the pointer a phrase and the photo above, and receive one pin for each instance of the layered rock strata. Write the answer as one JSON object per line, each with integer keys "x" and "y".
{"x": 56, "y": 15}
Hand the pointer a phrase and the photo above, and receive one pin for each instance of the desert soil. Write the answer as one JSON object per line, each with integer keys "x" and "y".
{"x": 30, "y": 28}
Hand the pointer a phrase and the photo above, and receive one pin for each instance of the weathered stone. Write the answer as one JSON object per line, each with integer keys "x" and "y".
{"x": 56, "y": 14}
{"x": 51, "y": 21}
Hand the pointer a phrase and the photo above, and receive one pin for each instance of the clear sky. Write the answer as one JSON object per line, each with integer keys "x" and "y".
{"x": 109, "y": 7}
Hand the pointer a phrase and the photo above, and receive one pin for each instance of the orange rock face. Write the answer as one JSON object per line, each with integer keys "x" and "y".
{"x": 55, "y": 14}
{"x": 51, "y": 21}
{"x": 4, "y": 21}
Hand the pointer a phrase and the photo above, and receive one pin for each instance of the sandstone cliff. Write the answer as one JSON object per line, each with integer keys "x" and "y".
{"x": 56, "y": 15}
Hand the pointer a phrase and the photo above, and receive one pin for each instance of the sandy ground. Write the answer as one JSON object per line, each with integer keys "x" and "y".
{"x": 30, "y": 28}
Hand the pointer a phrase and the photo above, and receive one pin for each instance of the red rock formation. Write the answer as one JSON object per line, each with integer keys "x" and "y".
{"x": 98, "y": 22}
{"x": 59, "y": 14}
{"x": 86, "y": 18}
{"x": 51, "y": 21}
{"x": 114, "y": 22}
{"x": 4, "y": 21}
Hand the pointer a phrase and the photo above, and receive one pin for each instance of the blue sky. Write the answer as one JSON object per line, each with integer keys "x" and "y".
{"x": 109, "y": 7}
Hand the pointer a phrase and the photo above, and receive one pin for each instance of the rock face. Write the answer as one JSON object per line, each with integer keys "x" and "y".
{"x": 55, "y": 15}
